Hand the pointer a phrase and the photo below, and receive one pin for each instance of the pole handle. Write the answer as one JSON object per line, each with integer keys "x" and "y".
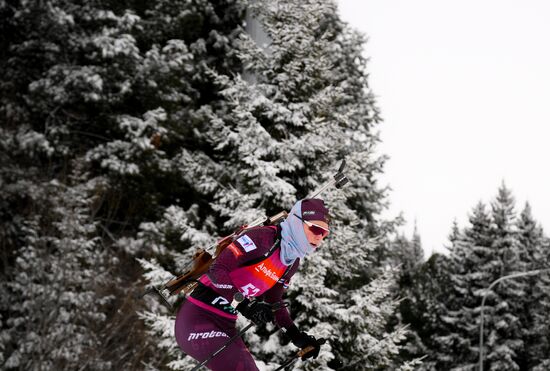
{"x": 339, "y": 180}
{"x": 309, "y": 348}
{"x": 304, "y": 351}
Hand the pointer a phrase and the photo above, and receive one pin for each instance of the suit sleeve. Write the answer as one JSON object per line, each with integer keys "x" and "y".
{"x": 218, "y": 273}
{"x": 275, "y": 294}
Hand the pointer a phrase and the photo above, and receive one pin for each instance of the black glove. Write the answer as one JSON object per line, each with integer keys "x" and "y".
{"x": 258, "y": 312}
{"x": 303, "y": 340}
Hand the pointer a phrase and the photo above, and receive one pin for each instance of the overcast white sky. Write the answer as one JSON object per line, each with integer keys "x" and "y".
{"x": 464, "y": 89}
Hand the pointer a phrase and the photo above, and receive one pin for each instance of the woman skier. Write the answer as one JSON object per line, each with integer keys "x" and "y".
{"x": 258, "y": 264}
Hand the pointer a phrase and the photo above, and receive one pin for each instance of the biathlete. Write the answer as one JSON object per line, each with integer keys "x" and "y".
{"x": 259, "y": 264}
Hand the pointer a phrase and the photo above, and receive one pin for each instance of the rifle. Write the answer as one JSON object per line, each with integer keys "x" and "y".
{"x": 203, "y": 258}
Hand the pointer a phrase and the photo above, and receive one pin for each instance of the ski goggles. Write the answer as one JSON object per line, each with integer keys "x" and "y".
{"x": 314, "y": 228}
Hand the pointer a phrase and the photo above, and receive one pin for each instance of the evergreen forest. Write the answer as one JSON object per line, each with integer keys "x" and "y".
{"x": 133, "y": 133}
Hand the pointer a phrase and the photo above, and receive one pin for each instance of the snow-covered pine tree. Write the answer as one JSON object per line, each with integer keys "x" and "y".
{"x": 407, "y": 255}
{"x": 53, "y": 261}
{"x": 504, "y": 340}
{"x": 536, "y": 301}
{"x": 56, "y": 313}
{"x": 448, "y": 293}
{"x": 103, "y": 93}
{"x": 470, "y": 269}
{"x": 483, "y": 252}
{"x": 277, "y": 138}
{"x": 424, "y": 307}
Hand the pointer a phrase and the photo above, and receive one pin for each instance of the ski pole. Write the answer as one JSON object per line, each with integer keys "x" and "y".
{"x": 237, "y": 298}
{"x": 339, "y": 180}
{"x": 298, "y": 355}
{"x": 224, "y": 346}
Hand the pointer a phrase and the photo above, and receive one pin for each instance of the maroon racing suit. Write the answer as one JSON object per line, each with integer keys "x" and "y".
{"x": 206, "y": 320}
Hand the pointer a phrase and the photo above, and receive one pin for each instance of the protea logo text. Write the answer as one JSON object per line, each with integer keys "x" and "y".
{"x": 206, "y": 335}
